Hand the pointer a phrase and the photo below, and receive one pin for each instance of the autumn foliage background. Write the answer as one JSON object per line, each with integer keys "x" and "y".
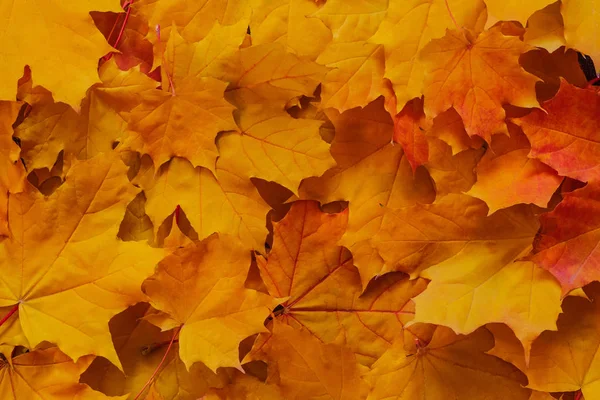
{"x": 299, "y": 199}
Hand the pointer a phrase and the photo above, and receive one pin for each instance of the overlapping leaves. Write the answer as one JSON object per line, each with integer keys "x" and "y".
{"x": 298, "y": 199}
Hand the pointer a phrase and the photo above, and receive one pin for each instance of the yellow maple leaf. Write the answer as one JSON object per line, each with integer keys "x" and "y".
{"x": 580, "y": 25}
{"x": 61, "y": 45}
{"x": 273, "y": 146}
{"x": 12, "y": 171}
{"x": 448, "y": 366}
{"x": 290, "y": 23}
{"x": 352, "y": 21}
{"x": 309, "y": 369}
{"x": 567, "y": 360}
{"x": 545, "y": 28}
{"x": 414, "y": 238}
{"x": 267, "y": 74}
{"x": 408, "y": 26}
{"x": 211, "y": 303}
{"x": 451, "y": 173}
{"x": 74, "y": 274}
{"x": 244, "y": 386}
{"x": 362, "y": 147}
{"x": 46, "y": 374}
{"x": 356, "y": 74}
{"x": 213, "y": 56}
{"x": 182, "y": 123}
{"x": 477, "y": 75}
{"x": 513, "y": 10}
{"x": 224, "y": 203}
{"x": 53, "y": 126}
{"x": 141, "y": 347}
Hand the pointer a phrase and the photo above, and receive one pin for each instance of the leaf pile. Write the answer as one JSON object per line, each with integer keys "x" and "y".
{"x": 299, "y": 199}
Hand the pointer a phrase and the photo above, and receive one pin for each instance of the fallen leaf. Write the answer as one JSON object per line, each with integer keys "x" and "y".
{"x": 141, "y": 347}
{"x": 414, "y": 238}
{"x": 165, "y": 124}
{"x": 545, "y": 28}
{"x": 290, "y": 23}
{"x": 74, "y": 272}
{"x": 61, "y": 45}
{"x": 507, "y": 176}
{"x": 441, "y": 368}
{"x": 408, "y": 27}
{"x": 565, "y": 134}
{"x": 477, "y": 75}
{"x": 273, "y": 146}
{"x": 46, "y": 374}
{"x": 211, "y": 304}
{"x": 567, "y": 360}
{"x": 580, "y": 26}
{"x": 270, "y": 75}
{"x": 224, "y": 203}
{"x": 569, "y": 239}
{"x": 323, "y": 289}
{"x": 309, "y": 369}
{"x": 513, "y": 10}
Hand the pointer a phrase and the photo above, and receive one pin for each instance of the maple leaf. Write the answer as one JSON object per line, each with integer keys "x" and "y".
{"x": 580, "y": 26}
{"x": 492, "y": 288}
{"x": 273, "y": 146}
{"x": 45, "y": 374}
{"x": 193, "y": 20}
{"x": 141, "y": 346}
{"x": 506, "y": 176}
{"x": 441, "y": 367}
{"x": 552, "y": 369}
{"x": 12, "y": 172}
{"x": 214, "y": 56}
{"x": 410, "y": 25}
{"x": 323, "y": 288}
{"x": 211, "y": 304}
{"x": 289, "y": 22}
{"x": 476, "y": 75}
{"x": 567, "y": 244}
{"x": 166, "y": 124}
{"x": 61, "y": 45}
{"x": 355, "y": 76}
{"x": 513, "y": 10}
{"x": 53, "y": 126}
{"x": 545, "y": 28}
{"x": 409, "y": 130}
{"x": 267, "y": 74}
{"x": 134, "y": 48}
{"x": 309, "y": 369}
{"x": 244, "y": 386}
{"x": 451, "y": 173}
{"x": 565, "y": 135}
{"x": 448, "y": 127}
{"x": 74, "y": 274}
{"x": 414, "y": 238}
{"x": 224, "y": 203}
{"x": 352, "y": 21}
{"x": 362, "y": 147}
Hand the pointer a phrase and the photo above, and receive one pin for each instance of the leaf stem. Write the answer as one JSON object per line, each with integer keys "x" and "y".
{"x": 127, "y": 8}
{"x": 579, "y": 395}
{"x": 591, "y": 82}
{"x": 10, "y": 313}
{"x": 153, "y": 376}
{"x": 452, "y": 15}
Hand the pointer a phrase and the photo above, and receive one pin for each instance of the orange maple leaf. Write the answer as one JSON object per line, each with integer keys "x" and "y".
{"x": 477, "y": 75}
